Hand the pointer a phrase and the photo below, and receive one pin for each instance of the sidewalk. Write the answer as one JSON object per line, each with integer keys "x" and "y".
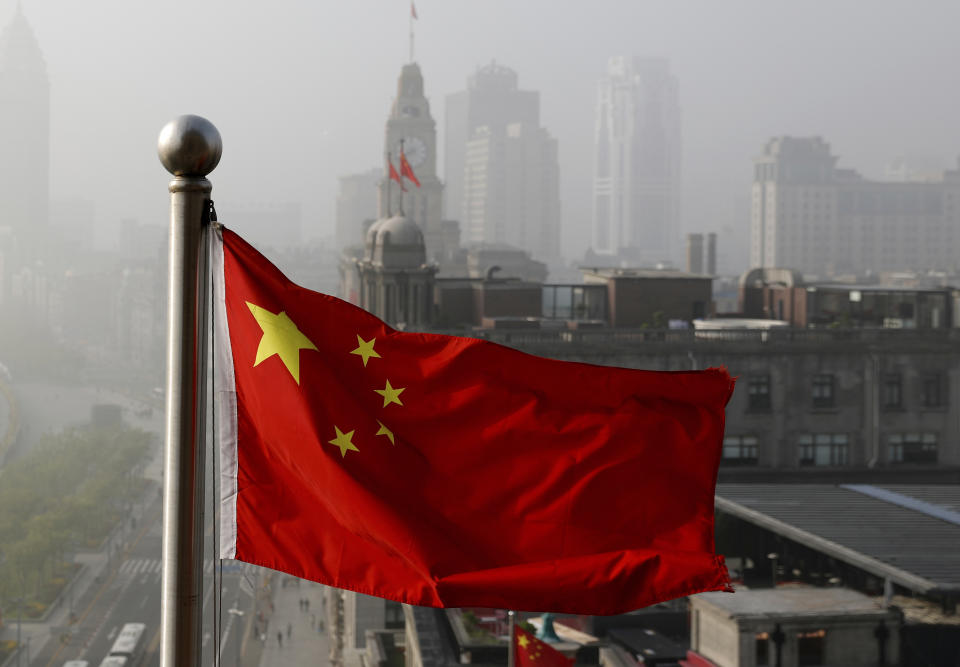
{"x": 306, "y": 643}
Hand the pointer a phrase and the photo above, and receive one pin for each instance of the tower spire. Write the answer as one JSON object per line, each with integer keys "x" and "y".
{"x": 413, "y": 17}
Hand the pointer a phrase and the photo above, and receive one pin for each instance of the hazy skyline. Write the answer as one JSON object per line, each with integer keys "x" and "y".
{"x": 301, "y": 91}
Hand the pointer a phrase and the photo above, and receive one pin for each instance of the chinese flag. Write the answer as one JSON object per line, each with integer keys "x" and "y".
{"x": 529, "y": 651}
{"x": 446, "y": 472}
{"x": 407, "y": 170}
{"x": 394, "y": 176}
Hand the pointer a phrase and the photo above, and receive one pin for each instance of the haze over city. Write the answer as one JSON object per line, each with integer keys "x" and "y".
{"x": 300, "y": 90}
{"x": 740, "y": 221}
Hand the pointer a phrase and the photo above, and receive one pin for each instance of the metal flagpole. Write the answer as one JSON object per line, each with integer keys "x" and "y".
{"x": 511, "y": 656}
{"x": 189, "y": 148}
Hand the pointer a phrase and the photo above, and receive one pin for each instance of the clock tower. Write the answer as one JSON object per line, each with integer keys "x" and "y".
{"x": 410, "y": 122}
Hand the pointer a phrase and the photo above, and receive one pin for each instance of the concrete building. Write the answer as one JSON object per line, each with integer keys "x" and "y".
{"x": 410, "y": 122}
{"x": 812, "y": 217}
{"x": 493, "y": 100}
{"x": 24, "y": 135}
{"x": 784, "y": 295}
{"x": 356, "y": 204}
{"x": 652, "y": 298}
{"x": 512, "y": 189}
{"x": 792, "y": 627}
{"x": 395, "y": 280}
{"x": 636, "y": 191}
{"x": 809, "y": 404}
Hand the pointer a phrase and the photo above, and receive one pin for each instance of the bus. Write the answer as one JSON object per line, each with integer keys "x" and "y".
{"x": 76, "y": 663}
{"x": 129, "y": 643}
{"x": 113, "y": 661}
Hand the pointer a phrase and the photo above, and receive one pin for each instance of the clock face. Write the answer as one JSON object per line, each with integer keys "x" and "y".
{"x": 414, "y": 149}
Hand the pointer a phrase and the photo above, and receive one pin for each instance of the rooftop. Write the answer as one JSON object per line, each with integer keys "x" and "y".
{"x": 906, "y": 533}
{"x": 793, "y": 601}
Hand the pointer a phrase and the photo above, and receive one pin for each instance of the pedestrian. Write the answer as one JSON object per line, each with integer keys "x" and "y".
{"x": 306, "y": 603}
{"x": 313, "y": 621}
{"x": 289, "y": 630}
{"x": 279, "y": 639}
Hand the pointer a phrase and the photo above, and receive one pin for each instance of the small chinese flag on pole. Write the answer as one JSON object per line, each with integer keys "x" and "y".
{"x": 394, "y": 176}
{"x": 529, "y": 651}
{"x": 413, "y": 11}
{"x": 407, "y": 170}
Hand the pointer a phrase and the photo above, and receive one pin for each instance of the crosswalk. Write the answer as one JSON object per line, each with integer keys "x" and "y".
{"x": 138, "y": 566}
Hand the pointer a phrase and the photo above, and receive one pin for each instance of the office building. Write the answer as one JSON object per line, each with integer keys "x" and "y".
{"x": 636, "y": 185}
{"x": 811, "y": 216}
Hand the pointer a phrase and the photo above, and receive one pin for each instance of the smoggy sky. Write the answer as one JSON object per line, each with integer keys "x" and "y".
{"x": 300, "y": 90}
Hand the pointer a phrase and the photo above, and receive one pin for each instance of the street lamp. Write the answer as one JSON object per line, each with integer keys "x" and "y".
{"x": 237, "y": 615}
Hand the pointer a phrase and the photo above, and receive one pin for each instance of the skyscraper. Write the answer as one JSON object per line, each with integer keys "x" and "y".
{"x": 24, "y": 134}
{"x": 356, "y": 204}
{"x": 636, "y": 191}
{"x": 810, "y": 216}
{"x": 502, "y": 171}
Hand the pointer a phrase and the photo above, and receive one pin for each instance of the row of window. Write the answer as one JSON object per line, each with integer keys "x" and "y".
{"x": 932, "y": 391}
{"x": 833, "y": 449}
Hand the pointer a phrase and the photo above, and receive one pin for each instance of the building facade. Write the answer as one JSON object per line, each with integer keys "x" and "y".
{"x": 512, "y": 190}
{"x": 410, "y": 122}
{"x": 812, "y": 217}
{"x": 356, "y": 205}
{"x": 502, "y": 167}
{"x": 492, "y": 99}
{"x": 636, "y": 185}
{"x": 24, "y": 135}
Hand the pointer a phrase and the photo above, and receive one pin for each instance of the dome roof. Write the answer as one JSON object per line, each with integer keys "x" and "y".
{"x": 397, "y": 243}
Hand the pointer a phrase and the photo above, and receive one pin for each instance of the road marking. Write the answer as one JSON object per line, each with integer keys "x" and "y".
{"x": 143, "y": 530}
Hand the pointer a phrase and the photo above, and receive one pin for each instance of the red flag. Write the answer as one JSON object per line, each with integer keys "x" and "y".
{"x": 531, "y": 652}
{"x": 445, "y": 471}
{"x": 394, "y": 176}
{"x": 413, "y": 11}
{"x": 407, "y": 170}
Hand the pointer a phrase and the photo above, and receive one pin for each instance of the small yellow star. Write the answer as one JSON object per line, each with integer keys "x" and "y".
{"x": 281, "y": 337}
{"x": 385, "y": 431}
{"x": 390, "y": 395}
{"x": 523, "y": 641}
{"x": 365, "y": 349}
{"x": 343, "y": 441}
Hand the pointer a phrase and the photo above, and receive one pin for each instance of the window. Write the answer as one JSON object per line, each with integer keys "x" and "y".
{"x": 810, "y": 648}
{"x": 912, "y": 447}
{"x": 823, "y": 449}
{"x": 762, "y": 640}
{"x": 823, "y": 390}
{"x": 740, "y": 450}
{"x": 393, "y": 615}
{"x": 758, "y": 387}
{"x": 933, "y": 391}
{"x": 892, "y": 392}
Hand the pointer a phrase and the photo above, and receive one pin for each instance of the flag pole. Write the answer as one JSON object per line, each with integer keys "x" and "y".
{"x": 511, "y": 654}
{"x": 402, "y": 189}
{"x": 389, "y": 166}
{"x": 189, "y": 147}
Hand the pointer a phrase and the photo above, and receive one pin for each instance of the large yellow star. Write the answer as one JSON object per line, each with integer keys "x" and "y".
{"x": 343, "y": 441}
{"x": 390, "y": 395}
{"x": 281, "y": 337}
{"x": 523, "y": 641}
{"x": 385, "y": 431}
{"x": 365, "y": 349}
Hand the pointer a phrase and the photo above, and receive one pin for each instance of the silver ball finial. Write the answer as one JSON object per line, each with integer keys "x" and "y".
{"x": 190, "y": 146}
